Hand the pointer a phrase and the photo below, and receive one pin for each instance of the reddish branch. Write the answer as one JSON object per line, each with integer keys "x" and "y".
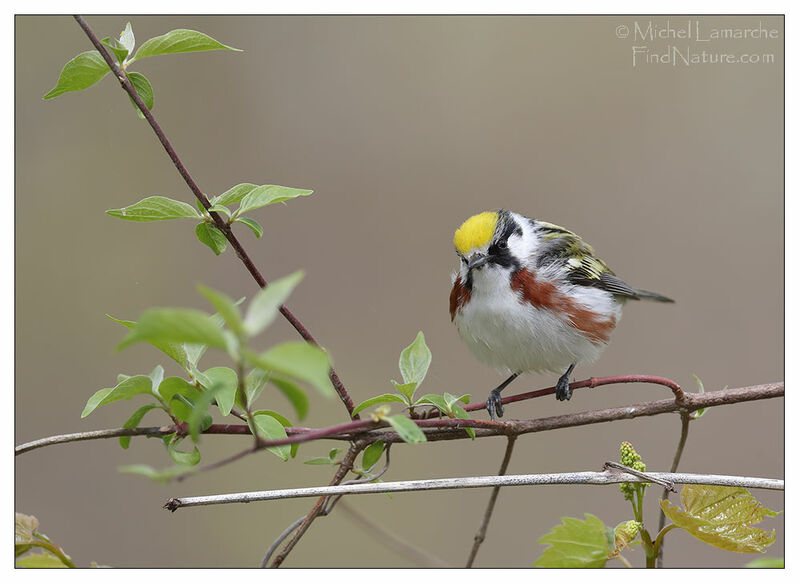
{"x": 218, "y": 221}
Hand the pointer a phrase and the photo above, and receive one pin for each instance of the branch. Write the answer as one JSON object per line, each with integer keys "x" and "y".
{"x": 487, "y": 516}
{"x": 662, "y": 518}
{"x": 218, "y": 221}
{"x": 606, "y": 477}
{"x": 452, "y": 429}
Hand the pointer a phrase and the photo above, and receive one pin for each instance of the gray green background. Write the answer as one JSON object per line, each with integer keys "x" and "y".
{"x": 404, "y": 127}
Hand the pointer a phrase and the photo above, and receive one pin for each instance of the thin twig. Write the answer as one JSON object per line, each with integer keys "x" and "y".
{"x": 645, "y": 476}
{"x": 93, "y": 435}
{"x": 487, "y": 516}
{"x": 344, "y": 468}
{"x": 606, "y": 477}
{"x": 410, "y": 552}
{"x": 218, "y": 221}
{"x": 662, "y": 519}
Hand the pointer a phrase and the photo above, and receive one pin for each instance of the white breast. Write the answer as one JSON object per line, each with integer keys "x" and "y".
{"x": 505, "y": 332}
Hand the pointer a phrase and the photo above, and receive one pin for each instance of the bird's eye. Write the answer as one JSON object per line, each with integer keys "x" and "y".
{"x": 502, "y": 245}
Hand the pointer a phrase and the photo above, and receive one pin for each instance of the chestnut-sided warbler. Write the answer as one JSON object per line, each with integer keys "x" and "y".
{"x": 532, "y": 296}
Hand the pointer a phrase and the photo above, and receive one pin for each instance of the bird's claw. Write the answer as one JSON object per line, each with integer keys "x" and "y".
{"x": 563, "y": 390}
{"x": 494, "y": 404}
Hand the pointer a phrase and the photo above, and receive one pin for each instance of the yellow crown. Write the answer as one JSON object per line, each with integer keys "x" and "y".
{"x": 475, "y": 232}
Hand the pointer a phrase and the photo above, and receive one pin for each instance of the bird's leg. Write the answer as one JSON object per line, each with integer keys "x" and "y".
{"x": 562, "y": 387}
{"x": 493, "y": 403}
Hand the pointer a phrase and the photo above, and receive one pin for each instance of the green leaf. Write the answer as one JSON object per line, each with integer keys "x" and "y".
{"x": 406, "y": 429}
{"x": 175, "y": 325}
{"x": 211, "y": 236}
{"x": 25, "y": 527}
{"x": 372, "y": 454}
{"x": 173, "y": 386}
{"x": 268, "y": 428}
{"x": 174, "y": 351}
{"x": 436, "y": 400}
{"x": 179, "y": 41}
{"x": 722, "y": 517}
{"x": 125, "y": 390}
{"x": 156, "y": 377}
{"x": 220, "y": 209}
{"x": 233, "y": 194}
{"x": 407, "y": 389}
{"x": 155, "y": 208}
{"x": 378, "y": 399}
{"x": 252, "y": 224}
{"x": 299, "y": 360}
{"x": 43, "y": 560}
{"x": 415, "y": 360}
{"x": 265, "y": 304}
{"x": 126, "y": 38}
{"x": 225, "y": 306}
{"x": 461, "y": 413}
{"x": 199, "y": 419}
{"x": 267, "y": 195}
{"x": 254, "y": 383}
{"x": 319, "y": 460}
{"x": 145, "y": 90}
{"x": 80, "y": 73}
{"x": 161, "y": 476}
{"x": 133, "y": 422}
{"x": 223, "y": 382}
{"x": 700, "y": 389}
{"x": 119, "y": 52}
{"x": 293, "y": 393}
{"x": 181, "y": 457}
{"x": 576, "y": 543}
{"x": 765, "y": 563}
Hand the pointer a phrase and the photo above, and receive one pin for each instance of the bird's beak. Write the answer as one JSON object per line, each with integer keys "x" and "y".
{"x": 476, "y": 260}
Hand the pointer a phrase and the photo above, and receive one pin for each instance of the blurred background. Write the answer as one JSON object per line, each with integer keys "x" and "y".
{"x": 403, "y": 126}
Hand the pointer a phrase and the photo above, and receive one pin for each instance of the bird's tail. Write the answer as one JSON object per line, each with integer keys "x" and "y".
{"x": 654, "y": 296}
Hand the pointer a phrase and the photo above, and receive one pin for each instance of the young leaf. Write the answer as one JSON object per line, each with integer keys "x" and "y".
{"x": 265, "y": 304}
{"x": 174, "y": 351}
{"x": 406, "y": 429}
{"x": 252, "y": 224}
{"x": 220, "y": 209}
{"x": 700, "y": 389}
{"x": 293, "y": 393}
{"x": 173, "y": 386}
{"x": 223, "y": 382}
{"x": 80, "y": 73}
{"x": 461, "y": 413}
{"x": 267, "y": 195}
{"x": 226, "y": 308}
{"x": 233, "y": 195}
{"x": 24, "y": 528}
{"x": 299, "y": 360}
{"x": 155, "y": 208}
{"x": 43, "y": 560}
{"x": 372, "y": 454}
{"x": 119, "y": 52}
{"x": 407, "y": 389}
{"x": 436, "y": 400}
{"x": 133, "y": 422}
{"x": 211, "y": 236}
{"x": 319, "y": 460}
{"x": 161, "y": 476}
{"x": 766, "y": 563}
{"x": 156, "y": 376}
{"x": 378, "y": 399}
{"x": 268, "y": 428}
{"x": 125, "y": 390}
{"x": 199, "y": 419}
{"x": 576, "y": 543}
{"x": 722, "y": 517}
{"x": 144, "y": 89}
{"x": 179, "y": 41}
{"x": 126, "y": 38}
{"x": 175, "y": 325}
{"x": 415, "y": 360}
{"x": 181, "y": 457}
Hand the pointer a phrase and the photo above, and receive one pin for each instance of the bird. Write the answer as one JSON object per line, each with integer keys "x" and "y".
{"x": 530, "y": 296}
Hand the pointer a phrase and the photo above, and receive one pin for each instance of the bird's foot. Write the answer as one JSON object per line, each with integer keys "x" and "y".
{"x": 494, "y": 404}
{"x": 563, "y": 390}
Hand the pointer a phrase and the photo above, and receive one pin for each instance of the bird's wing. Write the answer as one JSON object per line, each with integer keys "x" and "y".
{"x": 577, "y": 261}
